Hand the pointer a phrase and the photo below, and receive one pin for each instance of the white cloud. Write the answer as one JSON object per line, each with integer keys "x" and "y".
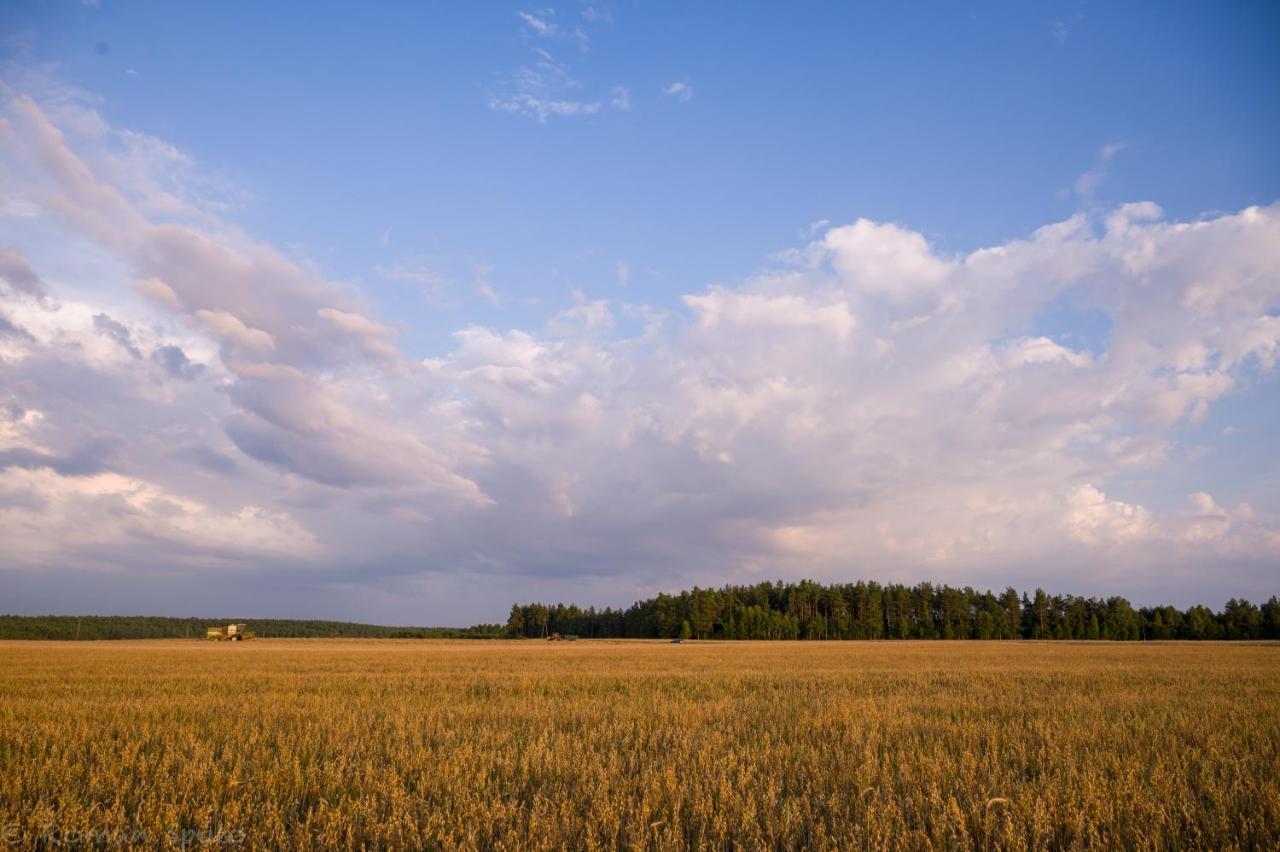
{"x": 868, "y": 405}
{"x": 373, "y": 337}
{"x": 354, "y": 323}
{"x": 720, "y": 308}
{"x": 1093, "y": 519}
{"x": 883, "y": 259}
{"x": 1205, "y": 519}
{"x": 680, "y": 90}
{"x": 231, "y": 328}
{"x": 154, "y": 288}
{"x": 588, "y": 318}
{"x": 106, "y": 519}
{"x": 1041, "y": 350}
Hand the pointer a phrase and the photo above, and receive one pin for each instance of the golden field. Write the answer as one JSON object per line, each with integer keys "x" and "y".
{"x": 583, "y": 745}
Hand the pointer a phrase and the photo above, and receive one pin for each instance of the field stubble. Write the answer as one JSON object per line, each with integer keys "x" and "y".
{"x": 482, "y": 745}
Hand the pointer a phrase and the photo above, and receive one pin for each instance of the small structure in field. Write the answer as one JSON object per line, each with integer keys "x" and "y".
{"x": 556, "y": 637}
{"x": 230, "y": 633}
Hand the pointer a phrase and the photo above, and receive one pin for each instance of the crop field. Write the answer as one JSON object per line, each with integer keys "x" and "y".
{"x": 582, "y": 745}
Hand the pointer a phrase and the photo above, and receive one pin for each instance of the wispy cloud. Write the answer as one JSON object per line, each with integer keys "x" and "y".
{"x": 432, "y": 285}
{"x": 546, "y": 87}
{"x": 415, "y": 273}
{"x": 680, "y": 90}
{"x": 541, "y": 23}
{"x": 1087, "y": 184}
{"x": 1061, "y": 28}
{"x": 484, "y": 287}
{"x": 538, "y": 24}
{"x": 542, "y": 89}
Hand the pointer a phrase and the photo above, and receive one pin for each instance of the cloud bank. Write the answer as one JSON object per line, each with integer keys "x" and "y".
{"x": 186, "y": 404}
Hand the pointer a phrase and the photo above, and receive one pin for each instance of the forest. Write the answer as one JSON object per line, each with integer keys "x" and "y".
{"x": 802, "y": 610}
{"x": 870, "y": 610}
{"x": 159, "y": 627}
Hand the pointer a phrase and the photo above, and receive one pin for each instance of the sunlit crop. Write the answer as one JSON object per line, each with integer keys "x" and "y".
{"x": 512, "y": 745}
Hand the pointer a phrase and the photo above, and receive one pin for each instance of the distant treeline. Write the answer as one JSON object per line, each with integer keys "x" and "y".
{"x": 808, "y": 610}
{"x": 157, "y": 627}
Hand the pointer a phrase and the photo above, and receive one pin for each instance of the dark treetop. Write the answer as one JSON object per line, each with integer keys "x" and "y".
{"x": 869, "y": 610}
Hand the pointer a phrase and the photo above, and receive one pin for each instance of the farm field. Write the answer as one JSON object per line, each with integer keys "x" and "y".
{"x": 633, "y": 744}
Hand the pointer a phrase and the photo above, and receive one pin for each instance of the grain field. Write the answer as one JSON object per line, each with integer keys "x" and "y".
{"x": 640, "y": 745}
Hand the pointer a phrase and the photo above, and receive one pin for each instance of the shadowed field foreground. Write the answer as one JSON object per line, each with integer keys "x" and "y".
{"x": 320, "y": 744}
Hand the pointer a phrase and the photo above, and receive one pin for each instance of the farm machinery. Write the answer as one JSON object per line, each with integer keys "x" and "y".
{"x": 230, "y": 633}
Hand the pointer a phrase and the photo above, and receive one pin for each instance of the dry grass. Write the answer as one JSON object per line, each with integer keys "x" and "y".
{"x": 322, "y": 744}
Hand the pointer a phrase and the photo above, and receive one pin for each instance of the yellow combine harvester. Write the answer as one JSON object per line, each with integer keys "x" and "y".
{"x": 230, "y": 633}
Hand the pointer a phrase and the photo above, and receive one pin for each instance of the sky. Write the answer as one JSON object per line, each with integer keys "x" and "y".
{"x": 406, "y": 312}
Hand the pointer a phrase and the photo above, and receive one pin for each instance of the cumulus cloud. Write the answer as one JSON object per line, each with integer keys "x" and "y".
{"x": 116, "y": 331}
{"x": 353, "y": 323}
{"x": 84, "y": 461}
{"x": 154, "y": 288}
{"x": 18, "y": 274}
{"x": 176, "y": 363}
{"x": 882, "y": 259}
{"x": 864, "y": 405}
{"x": 721, "y": 307}
{"x": 1094, "y": 519}
{"x": 234, "y": 331}
{"x": 105, "y": 520}
{"x": 297, "y": 423}
{"x": 8, "y": 328}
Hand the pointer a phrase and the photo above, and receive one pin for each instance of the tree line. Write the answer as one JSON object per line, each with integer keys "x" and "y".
{"x": 869, "y": 610}
{"x": 159, "y": 627}
{"x": 803, "y": 610}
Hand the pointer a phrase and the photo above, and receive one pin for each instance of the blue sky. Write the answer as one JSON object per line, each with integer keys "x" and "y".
{"x": 970, "y": 123}
{"x": 559, "y": 177}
